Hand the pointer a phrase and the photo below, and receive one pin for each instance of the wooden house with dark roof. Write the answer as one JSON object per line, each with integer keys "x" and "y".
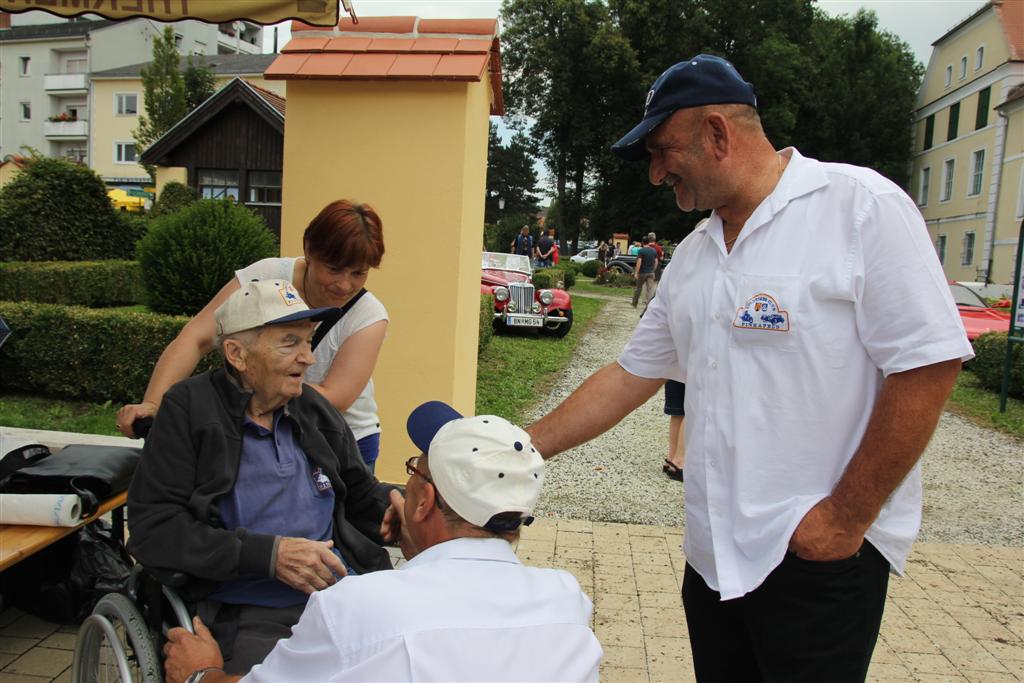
{"x": 230, "y": 146}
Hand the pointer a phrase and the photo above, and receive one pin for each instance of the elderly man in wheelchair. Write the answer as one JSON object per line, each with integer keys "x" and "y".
{"x": 251, "y": 483}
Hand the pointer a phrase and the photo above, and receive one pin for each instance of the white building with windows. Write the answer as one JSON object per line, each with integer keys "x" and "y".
{"x": 969, "y": 143}
{"x": 46, "y": 67}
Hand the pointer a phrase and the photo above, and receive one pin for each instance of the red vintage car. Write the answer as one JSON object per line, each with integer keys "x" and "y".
{"x": 977, "y": 316}
{"x": 517, "y": 304}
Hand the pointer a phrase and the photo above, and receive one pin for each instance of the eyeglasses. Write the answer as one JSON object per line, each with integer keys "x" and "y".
{"x": 411, "y": 469}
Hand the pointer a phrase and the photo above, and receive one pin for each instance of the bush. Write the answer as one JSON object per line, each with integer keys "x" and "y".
{"x": 990, "y": 356}
{"x": 83, "y": 353}
{"x": 173, "y": 198}
{"x": 547, "y": 278}
{"x": 82, "y": 283}
{"x": 187, "y": 256}
{"x": 614, "y": 278}
{"x": 54, "y": 210}
{"x": 568, "y": 277}
{"x": 486, "y": 322}
{"x": 591, "y": 268}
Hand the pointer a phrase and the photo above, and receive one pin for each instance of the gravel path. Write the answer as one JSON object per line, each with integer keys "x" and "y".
{"x": 973, "y": 476}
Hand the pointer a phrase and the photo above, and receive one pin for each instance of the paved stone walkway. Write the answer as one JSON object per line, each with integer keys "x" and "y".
{"x": 958, "y": 614}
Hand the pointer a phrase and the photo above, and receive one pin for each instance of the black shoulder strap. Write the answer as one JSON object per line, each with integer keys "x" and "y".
{"x": 21, "y": 457}
{"x": 324, "y": 328}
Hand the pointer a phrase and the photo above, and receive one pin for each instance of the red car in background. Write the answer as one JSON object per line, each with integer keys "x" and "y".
{"x": 517, "y": 303}
{"x": 977, "y": 316}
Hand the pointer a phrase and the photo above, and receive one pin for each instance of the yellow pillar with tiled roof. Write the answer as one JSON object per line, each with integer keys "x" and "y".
{"x": 394, "y": 112}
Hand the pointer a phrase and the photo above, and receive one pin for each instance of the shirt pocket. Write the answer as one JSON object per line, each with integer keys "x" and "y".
{"x": 766, "y": 312}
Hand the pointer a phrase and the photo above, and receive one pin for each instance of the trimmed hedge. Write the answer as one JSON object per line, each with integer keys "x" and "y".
{"x": 486, "y": 322}
{"x": 590, "y": 268}
{"x": 990, "y": 356}
{"x": 80, "y": 283}
{"x": 173, "y": 198}
{"x": 83, "y": 353}
{"x": 549, "y": 278}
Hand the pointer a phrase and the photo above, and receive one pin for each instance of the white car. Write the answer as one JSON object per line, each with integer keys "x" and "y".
{"x": 584, "y": 256}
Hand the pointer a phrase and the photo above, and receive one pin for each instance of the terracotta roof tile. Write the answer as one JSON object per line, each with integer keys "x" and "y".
{"x": 473, "y": 46}
{"x": 324, "y": 65}
{"x": 379, "y": 25}
{"x": 369, "y": 65}
{"x": 391, "y": 45}
{"x": 285, "y": 66}
{"x": 461, "y": 66}
{"x": 1011, "y": 16}
{"x": 414, "y": 66}
{"x": 304, "y": 45}
{"x": 435, "y": 45}
{"x": 273, "y": 99}
{"x": 486, "y": 27}
{"x": 348, "y": 44}
{"x": 303, "y": 26}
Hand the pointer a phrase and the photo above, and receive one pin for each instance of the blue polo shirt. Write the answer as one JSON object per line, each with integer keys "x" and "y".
{"x": 277, "y": 492}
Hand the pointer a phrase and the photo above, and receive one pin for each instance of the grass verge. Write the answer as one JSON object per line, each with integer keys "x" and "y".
{"x": 586, "y": 285}
{"x": 978, "y": 404}
{"x": 515, "y": 370}
{"x": 31, "y": 412}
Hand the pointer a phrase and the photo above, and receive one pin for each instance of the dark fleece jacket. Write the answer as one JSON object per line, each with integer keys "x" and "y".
{"x": 191, "y": 459}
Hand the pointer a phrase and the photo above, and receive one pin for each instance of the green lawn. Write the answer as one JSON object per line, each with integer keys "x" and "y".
{"x": 30, "y": 412}
{"x": 980, "y": 405}
{"x": 585, "y": 285}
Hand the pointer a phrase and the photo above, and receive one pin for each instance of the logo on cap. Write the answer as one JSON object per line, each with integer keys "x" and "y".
{"x": 290, "y": 296}
{"x": 647, "y": 102}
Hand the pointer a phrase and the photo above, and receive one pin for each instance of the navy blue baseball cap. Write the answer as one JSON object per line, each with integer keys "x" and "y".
{"x": 704, "y": 79}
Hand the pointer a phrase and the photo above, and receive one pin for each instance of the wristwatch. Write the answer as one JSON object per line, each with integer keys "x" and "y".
{"x": 197, "y": 676}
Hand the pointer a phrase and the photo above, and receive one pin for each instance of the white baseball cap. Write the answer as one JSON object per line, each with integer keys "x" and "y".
{"x": 482, "y": 466}
{"x": 267, "y": 302}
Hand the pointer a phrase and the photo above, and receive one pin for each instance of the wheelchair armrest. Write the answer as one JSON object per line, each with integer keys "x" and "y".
{"x": 167, "y": 577}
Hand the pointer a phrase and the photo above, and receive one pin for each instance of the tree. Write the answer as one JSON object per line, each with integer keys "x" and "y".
{"x": 199, "y": 83}
{"x": 164, "y": 93}
{"x": 511, "y": 177}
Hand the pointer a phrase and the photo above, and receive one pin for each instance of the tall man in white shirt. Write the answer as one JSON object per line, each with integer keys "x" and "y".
{"x": 463, "y": 608}
{"x": 816, "y": 334}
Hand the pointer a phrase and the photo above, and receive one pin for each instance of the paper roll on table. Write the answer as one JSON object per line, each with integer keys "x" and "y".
{"x": 40, "y": 509}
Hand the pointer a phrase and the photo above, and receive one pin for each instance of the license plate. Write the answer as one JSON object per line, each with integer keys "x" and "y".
{"x": 523, "y": 321}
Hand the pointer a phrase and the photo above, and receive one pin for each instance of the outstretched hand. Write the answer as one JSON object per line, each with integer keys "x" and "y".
{"x": 186, "y": 653}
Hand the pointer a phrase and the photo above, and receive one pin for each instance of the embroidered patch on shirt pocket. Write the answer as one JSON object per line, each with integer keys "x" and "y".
{"x": 765, "y": 314}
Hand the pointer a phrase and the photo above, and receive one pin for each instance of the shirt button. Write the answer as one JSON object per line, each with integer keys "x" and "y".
{"x": 718, "y": 316}
{"x": 714, "y": 365}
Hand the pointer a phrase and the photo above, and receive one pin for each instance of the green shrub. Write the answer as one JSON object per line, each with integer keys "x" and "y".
{"x": 187, "y": 256}
{"x": 54, "y": 210}
{"x": 83, "y": 353}
{"x": 486, "y": 322}
{"x": 81, "y": 283}
{"x": 547, "y": 278}
{"x": 174, "y": 197}
{"x": 613, "y": 278}
{"x": 590, "y": 268}
{"x": 990, "y": 356}
{"x": 568, "y": 276}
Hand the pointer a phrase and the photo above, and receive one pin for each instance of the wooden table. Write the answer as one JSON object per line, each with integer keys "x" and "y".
{"x": 18, "y": 541}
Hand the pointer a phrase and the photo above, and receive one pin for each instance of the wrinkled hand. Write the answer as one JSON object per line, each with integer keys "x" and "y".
{"x": 307, "y": 565}
{"x": 186, "y": 653}
{"x": 132, "y": 412}
{"x": 824, "y": 534}
{"x": 393, "y": 527}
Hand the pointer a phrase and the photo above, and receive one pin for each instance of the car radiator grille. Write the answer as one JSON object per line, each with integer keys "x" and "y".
{"x": 522, "y": 294}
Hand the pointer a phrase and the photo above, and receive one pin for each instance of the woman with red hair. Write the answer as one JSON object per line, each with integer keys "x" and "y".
{"x": 340, "y": 245}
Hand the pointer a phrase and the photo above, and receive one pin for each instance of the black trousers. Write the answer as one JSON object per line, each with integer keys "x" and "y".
{"x": 247, "y": 633}
{"x": 809, "y": 621}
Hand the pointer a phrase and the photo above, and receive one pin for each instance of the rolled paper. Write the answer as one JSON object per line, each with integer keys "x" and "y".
{"x": 38, "y": 509}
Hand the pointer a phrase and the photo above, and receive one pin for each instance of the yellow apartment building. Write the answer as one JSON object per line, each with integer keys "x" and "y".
{"x": 116, "y": 100}
{"x": 969, "y": 144}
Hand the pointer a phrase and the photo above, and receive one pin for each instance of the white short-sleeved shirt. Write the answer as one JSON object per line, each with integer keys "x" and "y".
{"x": 463, "y": 610}
{"x": 784, "y": 343}
{"x": 362, "y": 414}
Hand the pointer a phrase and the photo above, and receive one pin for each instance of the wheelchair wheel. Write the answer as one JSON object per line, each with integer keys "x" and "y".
{"x": 114, "y": 645}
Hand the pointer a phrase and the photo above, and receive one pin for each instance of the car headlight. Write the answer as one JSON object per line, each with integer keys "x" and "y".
{"x": 546, "y": 296}
{"x": 501, "y": 294}
{"x": 511, "y": 307}
{"x": 536, "y": 307}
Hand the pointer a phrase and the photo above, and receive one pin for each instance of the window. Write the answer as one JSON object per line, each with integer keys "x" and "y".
{"x": 979, "y": 57}
{"x": 77, "y": 66}
{"x": 981, "y": 118}
{"x": 940, "y": 248}
{"x": 126, "y": 104}
{"x": 929, "y": 131}
{"x": 178, "y": 39}
{"x": 967, "y": 255}
{"x": 963, "y": 67}
{"x": 949, "y": 74}
{"x": 26, "y": 111}
{"x": 977, "y": 172}
{"x": 922, "y": 193}
{"x": 954, "y": 121}
{"x": 124, "y": 153}
{"x": 218, "y": 184}
{"x": 24, "y": 66}
{"x": 947, "y": 179}
{"x": 76, "y": 154}
{"x": 264, "y": 187}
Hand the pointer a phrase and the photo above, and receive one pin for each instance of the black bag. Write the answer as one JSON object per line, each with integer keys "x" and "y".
{"x": 93, "y": 473}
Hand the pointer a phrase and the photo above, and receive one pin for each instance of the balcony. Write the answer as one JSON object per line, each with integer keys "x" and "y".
{"x": 68, "y": 130}
{"x": 66, "y": 83}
